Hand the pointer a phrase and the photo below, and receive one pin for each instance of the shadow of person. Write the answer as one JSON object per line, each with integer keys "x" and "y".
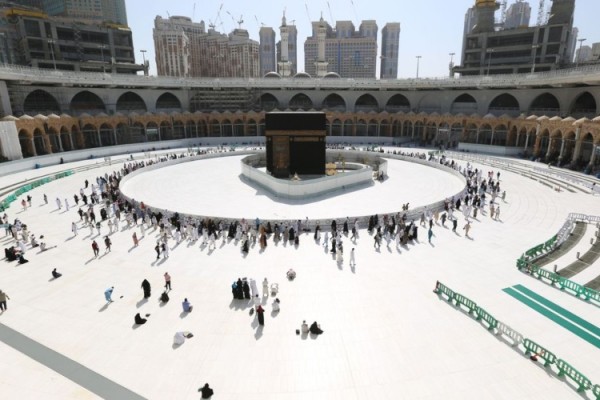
{"x": 183, "y": 314}
{"x": 303, "y": 335}
{"x": 141, "y": 302}
{"x": 51, "y": 279}
{"x": 135, "y": 326}
{"x": 175, "y": 346}
{"x": 104, "y": 307}
{"x": 259, "y": 332}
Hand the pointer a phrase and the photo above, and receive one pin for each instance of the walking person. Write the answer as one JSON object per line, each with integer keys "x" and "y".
{"x": 467, "y": 228}
{"x": 167, "y": 281}
{"x": 352, "y": 258}
{"x": 260, "y": 314}
{"x": 454, "y": 225}
{"x": 497, "y": 218}
{"x": 157, "y": 250}
{"x": 74, "y": 228}
{"x": 95, "y": 248}
{"x": 146, "y": 288}
{"x": 107, "y": 244}
{"x": 58, "y": 203}
{"x": 429, "y": 234}
{"x": 45, "y": 199}
{"x": 135, "y": 239}
{"x": 3, "y": 297}
{"x": 108, "y": 294}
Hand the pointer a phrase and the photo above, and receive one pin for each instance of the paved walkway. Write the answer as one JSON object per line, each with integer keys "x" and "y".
{"x": 387, "y": 336}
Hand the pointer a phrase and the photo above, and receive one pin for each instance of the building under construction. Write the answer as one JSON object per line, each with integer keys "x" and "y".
{"x": 489, "y": 49}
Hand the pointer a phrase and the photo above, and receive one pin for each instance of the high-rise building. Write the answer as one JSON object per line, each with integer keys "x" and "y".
{"x": 103, "y": 10}
{"x": 572, "y": 45}
{"x": 546, "y": 47}
{"x": 172, "y": 46}
{"x": 266, "y": 50}
{"x": 583, "y": 54}
{"x": 390, "y": 43}
{"x": 65, "y": 43}
{"x": 518, "y": 15}
{"x": 287, "y": 49}
{"x": 596, "y": 52}
{"x": 343, "y": 50}
{"x": 209, "y": 54}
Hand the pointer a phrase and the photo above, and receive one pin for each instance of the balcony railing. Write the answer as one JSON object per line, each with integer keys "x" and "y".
{"x": 589, "y": 74}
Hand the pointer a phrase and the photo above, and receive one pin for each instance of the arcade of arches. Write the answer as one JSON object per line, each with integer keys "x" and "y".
{"x": 567, "y": 141}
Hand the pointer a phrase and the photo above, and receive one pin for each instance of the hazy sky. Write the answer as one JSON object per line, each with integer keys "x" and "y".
{"x": 429, "y": 28}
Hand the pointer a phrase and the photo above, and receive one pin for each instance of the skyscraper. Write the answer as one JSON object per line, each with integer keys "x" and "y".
{"x": 266, "y": 50}
{"x": 390, "y": 42}
{"x": 208, "y": 54}
{"x": 349, "y": 53}
{"x": 518, "y": 15}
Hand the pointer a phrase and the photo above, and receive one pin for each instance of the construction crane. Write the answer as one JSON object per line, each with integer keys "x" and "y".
{"x": 259, "y": 24}
{"x": 503, "y": 5}
{"x": 212, "y": 24}
{"x": 541, "y": 13}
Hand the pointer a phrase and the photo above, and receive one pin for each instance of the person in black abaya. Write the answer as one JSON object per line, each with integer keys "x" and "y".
{"x": 146, "y": 287}
{"x": 139, "y": 320}
{"x": 260, "y": 314}
{"x": 292, "y": 234}
{"x": 246, "y": 289}
{"x": 315, "y": 328}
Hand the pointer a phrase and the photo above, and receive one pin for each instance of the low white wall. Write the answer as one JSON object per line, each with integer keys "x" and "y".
{"x": 363, "y": 174}
{"x": 488, "y": 149}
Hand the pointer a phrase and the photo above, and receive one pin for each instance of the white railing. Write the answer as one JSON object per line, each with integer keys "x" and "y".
{"x": 587, "y": 182}
{"x": 567, "y": 227}
{"x": 28, "y": 74}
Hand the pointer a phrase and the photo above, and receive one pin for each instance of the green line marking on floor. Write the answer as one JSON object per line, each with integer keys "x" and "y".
{"x": 554, "y": 317}
{"x": 559, "y": 310}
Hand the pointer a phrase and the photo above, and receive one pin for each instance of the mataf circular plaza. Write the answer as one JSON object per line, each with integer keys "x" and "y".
{"x": 507, "y": 309}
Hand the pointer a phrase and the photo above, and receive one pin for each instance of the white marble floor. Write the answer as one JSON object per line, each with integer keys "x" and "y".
{"x": 387, "y": 336}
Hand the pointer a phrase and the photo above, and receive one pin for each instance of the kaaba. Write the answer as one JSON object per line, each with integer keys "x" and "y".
{"x": 295, "y": 143}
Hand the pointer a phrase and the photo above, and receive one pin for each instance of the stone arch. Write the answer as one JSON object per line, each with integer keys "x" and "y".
{"x": 26, "y": 141}
{"x": 66, "y": 139}
{"x": 53, "y": 136}
{"x": 238, "y": 127}
{"x": 586, "y": 149}
{"x": 348, "y": 128}
{"x": 545, "y": 104}
{"x": 470, "y": 133}
{"x": 504, "y": 104}
{"x": 268, "y": 102}
{"x": 90, "y": 136}
{"x": 226, "y": 128}
{"x": 584, "y": 106}
{"x": 385, "y": 128}
{"x": 372, "y": 128}
{"x": 500, "y": 135}
{"x": 130, "y": 102}
{"x": 361, "y": 128}
{"x": 251, "y": 128}
{"x": 152, "y": 132}
{"x": 396, "y": 103}
{"x": 300, "y": 102}
{"x": 336, "y": 128}
{"x": 178, "y": 129}
{"x": 366, "y": 103}
{"x": 87, "y": 102}
{"x": 107, "y": 136}
{"x": 543, "y": 141}
{"x": 137, "y": 133}
{"x": 214, "y": 128}
{"x": 166, "y": 130}
{"x": 485, "y": 134}
{"x": 202, "y": 128}
{"x": 465, "y": 103}
{"x": 41, "y": 102}
{"x": 570, "y": 141}
{"x": 168, "y": 102}
{"x": 334, "y": 102}
{"x": 123, "y": 134}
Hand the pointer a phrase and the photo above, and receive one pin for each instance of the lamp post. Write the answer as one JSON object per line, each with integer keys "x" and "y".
{"x": 451, "y": 65}
{"x": 418, "y": 61}
{"x": 51, "y": 43}
{"x": 490, "y": 52}
{"x": 534, "y": 48}
{"x": 579, "y": 55}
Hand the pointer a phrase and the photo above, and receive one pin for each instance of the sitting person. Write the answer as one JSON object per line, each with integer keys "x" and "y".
{"x": 276, "y": 305}
{"x": 187, "y": 307}
{"x": 315, "y": 328}
{"x": 304, "y": 327}
{"x": 139, "y": 320}
{"x": 34, "y": 242}
{"x": 164, "y": 297}
{"x": 56, "y": 274}
{"x": 207, "y": 392}
{"x": 291, "y": 274}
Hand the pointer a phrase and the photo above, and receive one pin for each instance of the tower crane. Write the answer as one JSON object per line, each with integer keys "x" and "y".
{"x": 212, "y": 24}
{"x": 541, "y": 12}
